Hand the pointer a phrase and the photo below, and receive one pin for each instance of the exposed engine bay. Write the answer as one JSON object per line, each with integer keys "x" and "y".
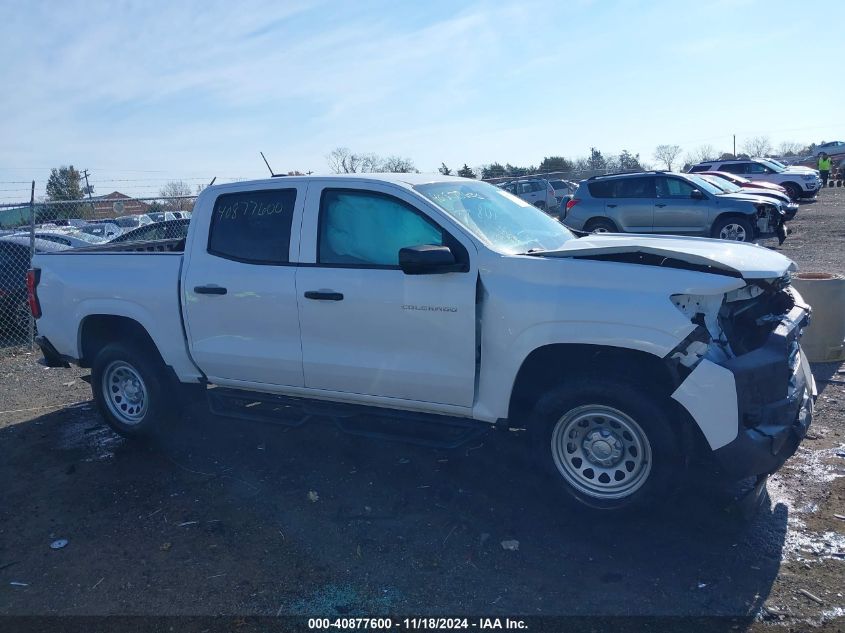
{"x": 734, "y": 323}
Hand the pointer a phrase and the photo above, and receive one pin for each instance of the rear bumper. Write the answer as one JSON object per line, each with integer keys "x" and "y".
{"x": 52, "y": 358}
{"x": 775, "y": 391}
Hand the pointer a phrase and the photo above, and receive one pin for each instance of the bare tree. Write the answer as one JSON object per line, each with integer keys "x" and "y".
{"x": 757, "y": 146}
{"x": 175, "y": 193}
{"x": 703, "y": 153}
{"x": 343, "y": 161}
{"x": 666, "y": 154}
{"x": 397, "y": 165}
{"x": 790, "y": 148}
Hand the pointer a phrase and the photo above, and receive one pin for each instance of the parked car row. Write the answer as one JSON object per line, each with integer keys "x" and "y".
{"x": 15, "y": 253}
{"x": 799, "y": 182}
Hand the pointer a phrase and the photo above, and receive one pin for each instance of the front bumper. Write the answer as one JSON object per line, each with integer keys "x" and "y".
{"x": 790, "y": 210}
{"x": 775, "y": 391}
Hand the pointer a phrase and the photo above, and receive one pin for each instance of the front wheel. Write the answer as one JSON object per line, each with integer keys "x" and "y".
{"x": 792, "y": 190}
{"x": 735, "y": 229}
{"x": 607, "y": 444}
{"x": 130, "y": 388}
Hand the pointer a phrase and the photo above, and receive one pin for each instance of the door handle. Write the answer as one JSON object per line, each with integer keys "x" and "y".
{"x": 612, "y": 206}
{"x": 660, "y": 206}
{"x": 210, "y": 290}
{"x": 323, "y": 296}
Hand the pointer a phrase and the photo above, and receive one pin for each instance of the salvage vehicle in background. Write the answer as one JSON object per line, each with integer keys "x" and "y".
{"x": 799, "y": 182}
{"x": 14, "y": 263}
{"x": 69, "y": 238}
{"x": 667, "y": 202}
{"x": 168, "y": 230}
{"x": 783, "y": 201}
{"x": 536, "y": 191}
{"x": 741, "y": 181}
{"x": 435, "y": 309}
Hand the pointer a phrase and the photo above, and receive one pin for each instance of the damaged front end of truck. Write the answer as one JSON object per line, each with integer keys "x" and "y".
{"x": 747, "y": 383}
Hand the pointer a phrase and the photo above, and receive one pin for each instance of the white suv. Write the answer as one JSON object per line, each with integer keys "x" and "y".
{"x": 799, "y": 182}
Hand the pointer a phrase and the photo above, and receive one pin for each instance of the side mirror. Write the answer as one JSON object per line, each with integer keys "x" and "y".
{"x": 428, "y": 259}
{"x": 697, "y": 194}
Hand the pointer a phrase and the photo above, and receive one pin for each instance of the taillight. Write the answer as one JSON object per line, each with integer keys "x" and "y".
{"x": 33, "y": 276}
{"x": 572, "y": 202}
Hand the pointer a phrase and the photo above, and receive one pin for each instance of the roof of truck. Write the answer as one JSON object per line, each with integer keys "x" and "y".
{"x": 407, "y": 179}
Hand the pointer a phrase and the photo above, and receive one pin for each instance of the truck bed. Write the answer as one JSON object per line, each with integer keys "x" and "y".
{"x": 136, "y": 280}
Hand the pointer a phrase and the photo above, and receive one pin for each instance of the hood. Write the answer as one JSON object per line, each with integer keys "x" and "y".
{"x": 766, "y": 193}
{"x": 797, "y": 169}
{"x": 737, "y": 259}
{"x": 748, "y": 194}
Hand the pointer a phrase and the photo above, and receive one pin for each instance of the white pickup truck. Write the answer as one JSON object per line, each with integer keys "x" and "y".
{"x": 433, "y": 308}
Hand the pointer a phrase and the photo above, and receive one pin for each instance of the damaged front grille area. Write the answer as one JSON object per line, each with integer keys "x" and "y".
{"x": 750, "y": 316}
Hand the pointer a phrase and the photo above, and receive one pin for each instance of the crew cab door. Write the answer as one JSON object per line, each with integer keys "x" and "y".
{"x": 238, "y": 286}
{"x": 369, "y": 328}
{"x": 676, "y": 211}
{"x": 632, "y": 205}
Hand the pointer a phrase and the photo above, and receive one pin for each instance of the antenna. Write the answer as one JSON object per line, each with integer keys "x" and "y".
{"x": 272, "y": 173}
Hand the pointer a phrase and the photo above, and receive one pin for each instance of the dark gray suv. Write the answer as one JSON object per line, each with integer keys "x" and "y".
{"x": 667, "y": 202}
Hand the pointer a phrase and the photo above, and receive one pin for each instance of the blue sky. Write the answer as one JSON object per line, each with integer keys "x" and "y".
{"x": 144, "y": 92}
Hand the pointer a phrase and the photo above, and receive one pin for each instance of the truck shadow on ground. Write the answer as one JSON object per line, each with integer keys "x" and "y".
{"x": 221, "y": 516}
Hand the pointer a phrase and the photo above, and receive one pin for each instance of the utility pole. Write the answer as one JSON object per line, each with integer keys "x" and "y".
{"x": 734, "y": 145}
{"x": 88, "y": 189}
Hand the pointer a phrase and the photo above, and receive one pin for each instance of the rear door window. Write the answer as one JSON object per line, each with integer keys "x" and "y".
{"x": 642, "y": 187}
{"x": 253, "y": 226}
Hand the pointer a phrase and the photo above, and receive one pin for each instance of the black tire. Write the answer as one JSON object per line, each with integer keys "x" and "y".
{"x": 600, "y": 225}
{"x": 792, "y": 190}
{"x": 735, "y": 225}
{"x": 659, "y": 467}
{"x": 138, "y": 417}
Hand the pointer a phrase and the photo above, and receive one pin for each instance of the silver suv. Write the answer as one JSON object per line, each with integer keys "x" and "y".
{"x": 666, "y": 202}
{"x": 536, "y": 191}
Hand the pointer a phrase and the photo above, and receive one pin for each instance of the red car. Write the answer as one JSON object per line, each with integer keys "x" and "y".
{"x": 739, "y": 181}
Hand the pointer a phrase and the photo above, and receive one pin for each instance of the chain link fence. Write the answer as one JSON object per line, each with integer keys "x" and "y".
{"x": 28, "y": 228}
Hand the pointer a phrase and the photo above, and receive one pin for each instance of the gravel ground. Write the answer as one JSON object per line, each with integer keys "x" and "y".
{"x": 225, "y": 517}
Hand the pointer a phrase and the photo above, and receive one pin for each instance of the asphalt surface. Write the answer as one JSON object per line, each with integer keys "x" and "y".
{"x": 226, "y": 517}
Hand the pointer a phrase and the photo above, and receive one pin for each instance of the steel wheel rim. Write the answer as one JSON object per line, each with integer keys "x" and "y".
{"x": 601, "y": 229}
{"x": 733, "y": 231}
{"x": 125, "y": 392}
{"x": 601, "y": 452}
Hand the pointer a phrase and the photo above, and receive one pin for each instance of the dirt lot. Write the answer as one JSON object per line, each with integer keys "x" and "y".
{"x": 225, "y": 517}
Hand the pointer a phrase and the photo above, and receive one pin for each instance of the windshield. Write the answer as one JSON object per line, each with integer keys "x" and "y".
{"x": 702, "y": 184}
{"x": 499, "y": 219}
{"x": 722, "y": 183}
{"x": 129, "y": 222}
{"x": 773, "y": 165}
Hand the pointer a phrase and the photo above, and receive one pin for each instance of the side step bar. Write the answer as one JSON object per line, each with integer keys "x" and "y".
{"x": 425, "y": 429}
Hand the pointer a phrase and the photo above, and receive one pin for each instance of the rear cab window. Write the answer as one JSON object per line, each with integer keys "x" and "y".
{"x": 253, "y": 227}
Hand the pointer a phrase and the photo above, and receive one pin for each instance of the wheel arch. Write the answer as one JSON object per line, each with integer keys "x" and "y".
{"x": 601, "y": 218}
{"x": 98, "y": 330}
{"x": 550, "y": 364}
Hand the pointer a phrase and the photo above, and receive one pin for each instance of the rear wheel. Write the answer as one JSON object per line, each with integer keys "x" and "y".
{"x": 792, "y": 190}
{"x": 131, "y": 389}
{"x": 607, "y": 444}
{"x": 600, "y": 225}
{"x": 733, "y": 228}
